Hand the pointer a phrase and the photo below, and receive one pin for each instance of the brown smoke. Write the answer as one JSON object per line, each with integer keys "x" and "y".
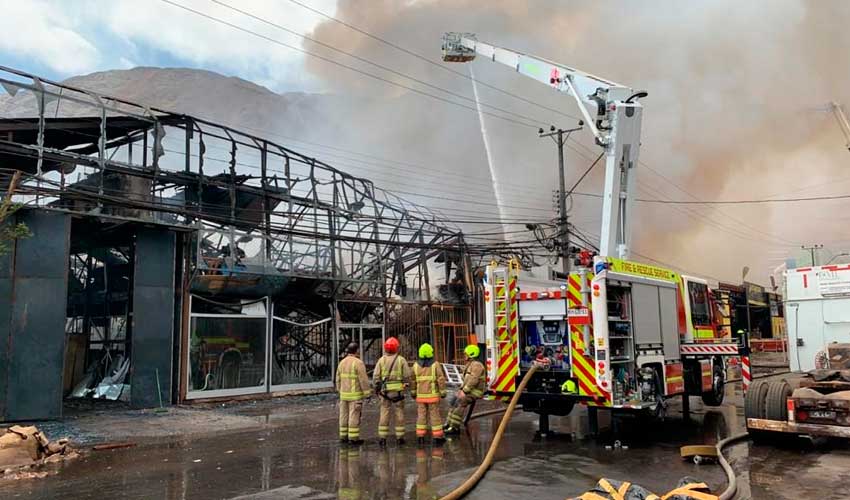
{"x": 736, "y": 110}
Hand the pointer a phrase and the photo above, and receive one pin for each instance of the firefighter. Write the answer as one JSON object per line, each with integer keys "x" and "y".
{"x": 391, "y": 378}
{"x": 429, "y": 388}
{"x": 353, "y": 386}
{"x": 474, "y": 382}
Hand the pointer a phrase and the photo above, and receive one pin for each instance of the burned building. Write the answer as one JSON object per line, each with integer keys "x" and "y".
{"x": 173, "y": 259}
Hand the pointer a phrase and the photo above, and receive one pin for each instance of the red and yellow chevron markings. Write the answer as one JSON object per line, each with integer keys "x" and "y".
{"x": 507, "y": 344}
{"x": 582, "y": 364}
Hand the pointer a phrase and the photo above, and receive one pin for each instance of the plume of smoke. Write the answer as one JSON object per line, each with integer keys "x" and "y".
{"x": 735, "y": 110}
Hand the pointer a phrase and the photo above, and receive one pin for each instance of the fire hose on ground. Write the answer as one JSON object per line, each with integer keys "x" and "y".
{"x": 470, "y": 483}
{"x": 730, "y": 490}
{"x": 474, "y": 479}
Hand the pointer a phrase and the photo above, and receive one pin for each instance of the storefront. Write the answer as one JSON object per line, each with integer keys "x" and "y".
{"x": 241, "y": 347}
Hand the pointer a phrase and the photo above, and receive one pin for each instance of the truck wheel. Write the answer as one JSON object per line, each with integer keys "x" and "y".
{"x": 776, "y": 406}
{"x": 754, "y": 400}
{"x": 718, "y": 387}
{"x": 754, "y": 407}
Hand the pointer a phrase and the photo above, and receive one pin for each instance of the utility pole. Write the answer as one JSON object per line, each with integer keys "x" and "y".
{"x": 812, "y": 249}
{"x": 560, "y": 137}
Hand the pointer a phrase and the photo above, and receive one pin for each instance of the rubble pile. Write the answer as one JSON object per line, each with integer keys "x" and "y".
{"x": 25, "y": 446}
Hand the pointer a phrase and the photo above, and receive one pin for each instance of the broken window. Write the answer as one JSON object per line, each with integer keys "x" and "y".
{"x": 227, "y": 345}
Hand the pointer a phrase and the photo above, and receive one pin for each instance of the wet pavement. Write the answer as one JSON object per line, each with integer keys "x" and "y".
{"x": 291, "y": 453}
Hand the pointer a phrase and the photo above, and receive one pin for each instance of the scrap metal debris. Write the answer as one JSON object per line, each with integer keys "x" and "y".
{"x": 26, "y": 446}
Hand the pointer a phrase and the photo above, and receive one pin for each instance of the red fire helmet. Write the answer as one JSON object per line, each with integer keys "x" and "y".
{"x": 391, "y": 345}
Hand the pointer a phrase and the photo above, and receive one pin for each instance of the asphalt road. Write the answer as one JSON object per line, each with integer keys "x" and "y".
{"x": 299, "y": 458}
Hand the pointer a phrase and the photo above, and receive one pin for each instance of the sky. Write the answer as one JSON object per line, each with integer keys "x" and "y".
{"x": 64, "y": 38}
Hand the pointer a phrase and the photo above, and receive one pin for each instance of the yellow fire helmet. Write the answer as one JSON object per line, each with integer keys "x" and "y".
{"x": 426, "y": 351}
{"x": 472, "y": 351}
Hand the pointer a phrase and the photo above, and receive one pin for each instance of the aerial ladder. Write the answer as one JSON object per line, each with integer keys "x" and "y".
{"x": 612, "y": 114}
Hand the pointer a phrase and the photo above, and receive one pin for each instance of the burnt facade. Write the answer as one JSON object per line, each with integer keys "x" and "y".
{"x": 173, "y": 258}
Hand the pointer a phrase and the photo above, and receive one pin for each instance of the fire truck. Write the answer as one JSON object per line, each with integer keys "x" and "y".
{"x": 615, "y": 333}
{"x": 622, "y": 335}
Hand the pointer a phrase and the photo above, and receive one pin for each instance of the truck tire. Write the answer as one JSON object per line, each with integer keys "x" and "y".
{"x": 718, "y": 386}
{"x": 754, "y": 407}
{"x": 776, "y": 407}
{"x": 754, "y": 400}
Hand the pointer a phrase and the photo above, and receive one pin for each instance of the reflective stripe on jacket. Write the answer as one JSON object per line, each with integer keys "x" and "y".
{"x": 474, "y": 379}
{"x": 430, "y": 383}
{"x": 392, "y": 380}
{"x": 351, "y": 379}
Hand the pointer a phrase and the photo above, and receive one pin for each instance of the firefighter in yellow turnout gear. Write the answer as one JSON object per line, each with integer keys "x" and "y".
{"x": 429, "y": 388}
{"x": 391, "y": 378}
{"x": 353, "y": 386}
{"x": 474, "y": 383}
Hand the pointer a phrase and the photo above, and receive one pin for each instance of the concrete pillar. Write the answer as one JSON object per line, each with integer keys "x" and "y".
{"x": 153, "y": 317}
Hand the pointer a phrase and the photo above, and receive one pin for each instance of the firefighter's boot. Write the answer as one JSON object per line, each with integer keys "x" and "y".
{"x": 382, "y": 442}
{"x": 399, "y": 441}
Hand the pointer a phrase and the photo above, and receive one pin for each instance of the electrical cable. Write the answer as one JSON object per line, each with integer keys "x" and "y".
{"x": 697, "y": 215}
{"x": 343, "y": 65}
{"x": 367, "y": 61}
{"x": 747, "y": 202}
{"x": 717, "y": 210}
{"x": 429, "y": 61}
{"x": 572, "y": 189}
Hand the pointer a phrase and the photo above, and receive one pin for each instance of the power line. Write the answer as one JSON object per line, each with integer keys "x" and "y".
{"x": 731, "y": 230}
{"x": 696, "y": 215}
{"x": 734, "y": 219}
{"x": 367, "y": 61}
{"x": 342, "y": 65}
{"x": 429, "y": 61}
{"x": 585, "y": 174}
{"x": 746, "y": 202}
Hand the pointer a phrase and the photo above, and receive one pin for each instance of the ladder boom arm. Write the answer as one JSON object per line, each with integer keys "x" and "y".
{"x": 614, "y": 119}
{"x": 585, "y": 88}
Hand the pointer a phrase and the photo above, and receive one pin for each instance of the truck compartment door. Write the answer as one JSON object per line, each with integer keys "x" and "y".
{"x": 669, "y": 327}
{"x": 646, "y": 320}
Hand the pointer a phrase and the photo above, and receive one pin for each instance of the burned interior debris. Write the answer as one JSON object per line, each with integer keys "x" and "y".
{"x": 173, "y": 258}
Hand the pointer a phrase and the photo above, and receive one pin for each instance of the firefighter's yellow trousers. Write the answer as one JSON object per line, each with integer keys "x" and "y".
{"x": 456, "y": 414}
{"x": 390, "y": 409}
{"x": 349, "y": 419}
{"x": 428, "y": 417}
